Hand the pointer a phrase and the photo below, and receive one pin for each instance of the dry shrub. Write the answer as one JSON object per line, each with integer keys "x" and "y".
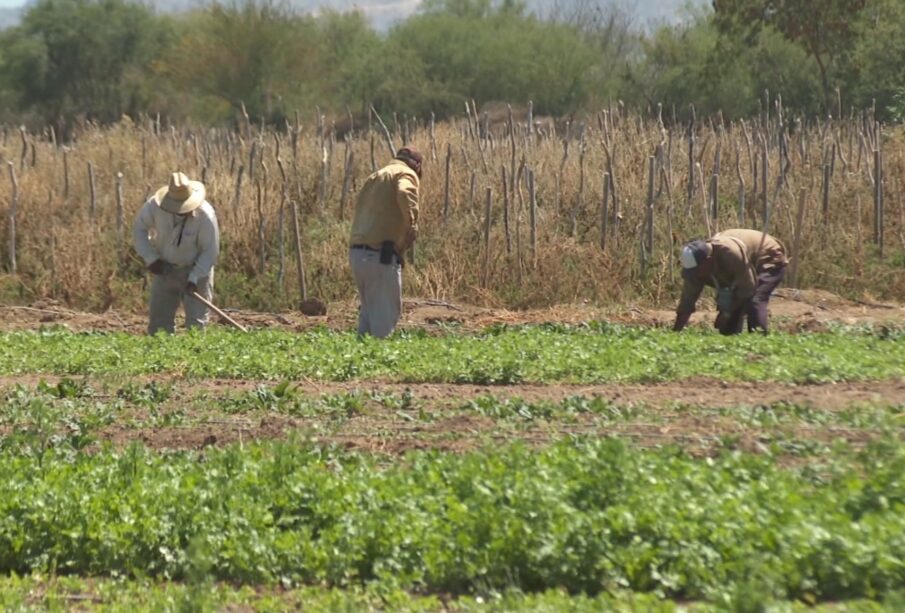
{"x": 65, "y": 253}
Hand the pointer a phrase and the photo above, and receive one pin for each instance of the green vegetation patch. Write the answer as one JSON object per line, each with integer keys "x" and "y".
{"x": 585, "y": 516}
{"x": 585, "y": 354}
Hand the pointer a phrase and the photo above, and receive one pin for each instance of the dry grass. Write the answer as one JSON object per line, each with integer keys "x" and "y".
{"x": 64, "y": 254}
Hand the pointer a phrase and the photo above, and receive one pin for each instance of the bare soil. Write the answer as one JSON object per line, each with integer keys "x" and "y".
{"x": 791, "y": 310}
{"x": 701, "y": 415}
{"x": 693, "y": 415}
{"x": 436, "y": 418}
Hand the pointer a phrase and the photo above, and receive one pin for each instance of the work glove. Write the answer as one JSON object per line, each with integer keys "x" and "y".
{"x": 157, "y": 267}
{"x": 190, "y": 288}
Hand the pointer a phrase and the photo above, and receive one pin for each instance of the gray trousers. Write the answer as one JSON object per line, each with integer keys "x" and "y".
{"x": 380, "y": 292}
{"x": 168, "y": 291}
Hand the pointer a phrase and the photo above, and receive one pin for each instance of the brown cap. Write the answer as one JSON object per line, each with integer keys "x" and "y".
{"x": 409, "y": 153}
{"x": 412, "y": 157}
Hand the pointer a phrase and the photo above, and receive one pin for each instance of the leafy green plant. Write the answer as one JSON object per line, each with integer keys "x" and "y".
{"x": 595, "y": 353}
{"x": 586, "y": 515}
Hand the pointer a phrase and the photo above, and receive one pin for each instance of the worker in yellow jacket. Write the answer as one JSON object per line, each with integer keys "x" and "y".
{"x": 384, "y": 227}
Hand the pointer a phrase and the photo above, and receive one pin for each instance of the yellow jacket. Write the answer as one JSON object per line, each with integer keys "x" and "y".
{"x": 387, "y": 208}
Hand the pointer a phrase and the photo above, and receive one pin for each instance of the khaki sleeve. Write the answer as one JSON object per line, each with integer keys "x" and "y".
{"x": 407, "y": 200}
{"x": 691, "y": 291}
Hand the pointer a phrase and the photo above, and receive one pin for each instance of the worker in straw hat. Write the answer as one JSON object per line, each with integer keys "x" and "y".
{"x": 383, "y": 228}
{"x": 176, "y": 234}
{"x": 744, "y": 266}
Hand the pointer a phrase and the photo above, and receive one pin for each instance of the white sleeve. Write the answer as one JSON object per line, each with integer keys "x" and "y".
{"x": 209, "y": 243}
{"x": 141, "y": 228}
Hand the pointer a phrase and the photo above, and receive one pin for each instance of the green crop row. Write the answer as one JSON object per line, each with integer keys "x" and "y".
{"x": 584, "y": 515}
{"x": 596, "y": 353}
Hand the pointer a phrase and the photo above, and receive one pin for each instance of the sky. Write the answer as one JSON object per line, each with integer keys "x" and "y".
{"x": 384, "y": 13}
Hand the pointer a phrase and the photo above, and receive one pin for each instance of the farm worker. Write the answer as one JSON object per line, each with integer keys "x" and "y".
{"x": 744, "y": 266}
{"x": 383, "y": 228}
{"x": 177, "y": 235}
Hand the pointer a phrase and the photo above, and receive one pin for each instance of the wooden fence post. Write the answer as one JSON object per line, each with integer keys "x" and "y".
{"x": 13, "y": 208}
{"x": 65, "y": 173}
{"x": 579, "y": 203}
{"x": 705, "y": 205}
{"x": 487, "y": 210}
{"x": 604, "y": 211}
{"x": 741, "y": 187}
{"x": 520, "y": 176}
{"x": 144, "y": 156}
{"x": 532, "y": 194}
{"x": 557, "y": 203}
{"x": 506, "y": 204}
{"x": 649, "y": 218}
{"x": 765, "y": 166}
{"x": 433, "y": 138}
{"x": 299, "y": 260}
{"x": 120, "y": 214}
{"x": 347, "y": 179}
{"x": 799, "y": 222}
{"x": 386, "y": 133}
{"x": 878, "y": 198}
{"x": 322, "y": 187}
{"x": 691, "y": 177}
{"x": 238, "y": 193}
{"x": 284, "y": 195}
{"x": 93, "y": 189}
{"x": 24, "y": 154}
{"x": 714, "y": 200}
{"x": 446, "y": 186}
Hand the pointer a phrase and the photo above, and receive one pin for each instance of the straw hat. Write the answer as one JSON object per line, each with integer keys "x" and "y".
{"x": 181, "y": 196}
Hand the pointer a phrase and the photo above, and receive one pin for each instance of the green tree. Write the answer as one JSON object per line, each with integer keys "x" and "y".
{"x": 81, "y": 57}
{"x": 257, "y": 53}
{"x": 353, "y": 54}
{"x": 694, "y": 64}
{"x": 824, "y": 28}
{"x": 876, "y": 69}
{"x": 500, "y": 56}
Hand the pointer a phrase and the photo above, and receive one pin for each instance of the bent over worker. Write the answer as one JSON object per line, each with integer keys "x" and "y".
{"x": 177, "y": 235}
{"x": 744, "y": 266}
{"x": 384, "y": 227}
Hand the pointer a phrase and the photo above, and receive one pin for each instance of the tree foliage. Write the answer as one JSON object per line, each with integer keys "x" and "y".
{"x": 98, "y": 59}
{"x": 824, "y": 28}
{"x": 693, "y": 64}
{"x": 876, "y": 69}
{"x": 81, "y": 57}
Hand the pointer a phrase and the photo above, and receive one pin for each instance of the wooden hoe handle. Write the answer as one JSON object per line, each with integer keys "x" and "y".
{"x": 218, "y": 311}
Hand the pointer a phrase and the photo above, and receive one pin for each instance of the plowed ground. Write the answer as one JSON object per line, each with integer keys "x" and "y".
{"x": 702, "y": 415}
